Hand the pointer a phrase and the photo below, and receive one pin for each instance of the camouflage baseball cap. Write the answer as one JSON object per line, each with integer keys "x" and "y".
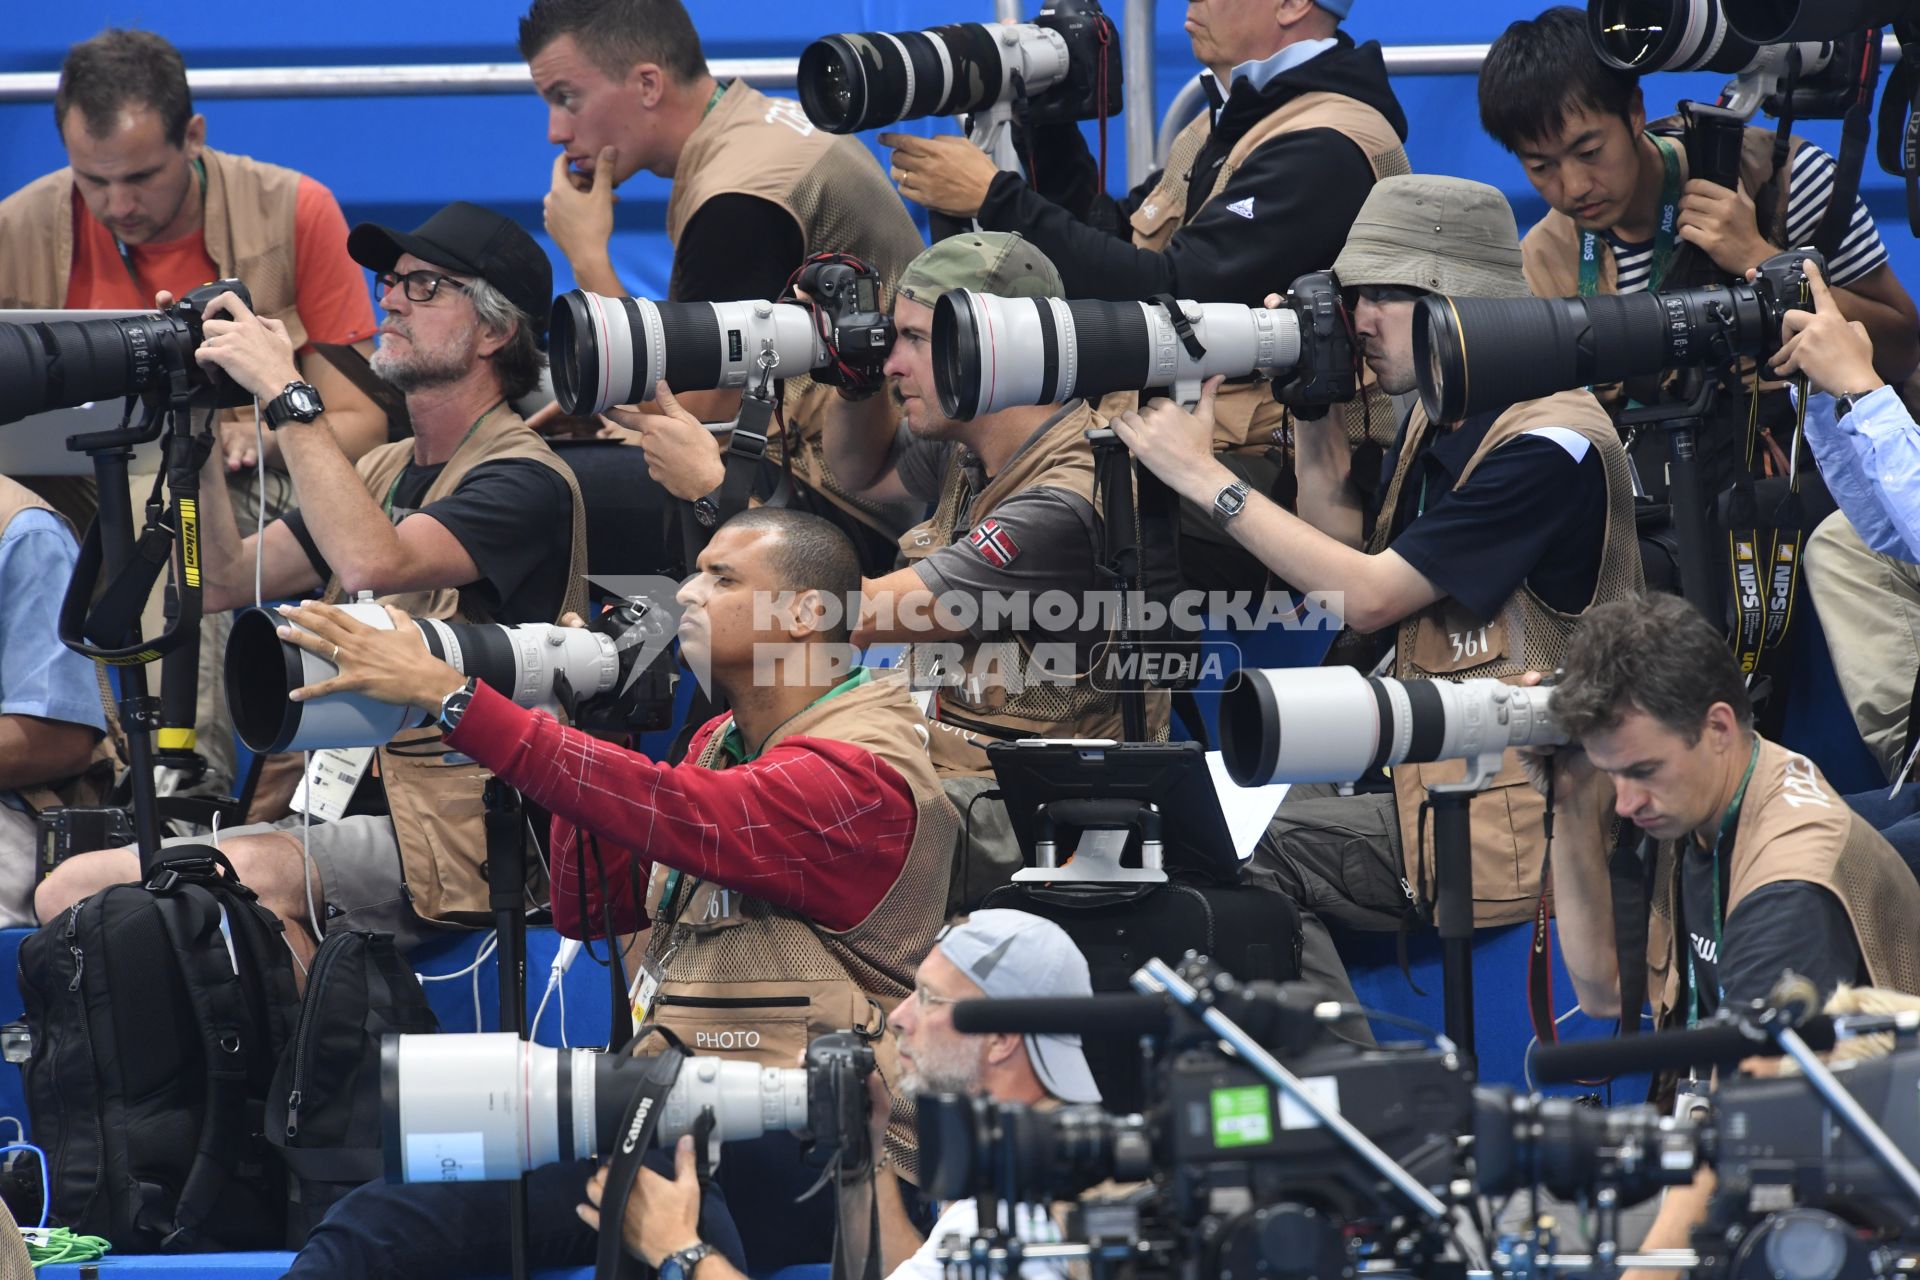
{"x": 1444, "y": 235}
{"x": 998, "y": 262}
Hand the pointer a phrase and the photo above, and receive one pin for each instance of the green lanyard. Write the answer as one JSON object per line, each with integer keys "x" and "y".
{"x": 393, "y": 490}
{"x": 1728, "y": 821}
{"x": 1663, "y": 237}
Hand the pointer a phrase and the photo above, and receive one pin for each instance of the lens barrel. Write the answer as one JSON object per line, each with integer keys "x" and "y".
{"x": 58, "y": 364}
{"x": 1779, "y": 21}
{"x": 1667, "y": 35}
{"x": 863, "y": 80}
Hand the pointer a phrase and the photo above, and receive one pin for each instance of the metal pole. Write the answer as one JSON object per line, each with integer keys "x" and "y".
{"x": 1136, "y": 68}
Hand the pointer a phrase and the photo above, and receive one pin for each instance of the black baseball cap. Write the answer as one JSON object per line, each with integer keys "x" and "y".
{"x": 474, "y": 241}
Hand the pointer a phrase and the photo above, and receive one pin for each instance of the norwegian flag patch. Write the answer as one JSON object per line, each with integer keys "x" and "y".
{"x": 994, "y": 544}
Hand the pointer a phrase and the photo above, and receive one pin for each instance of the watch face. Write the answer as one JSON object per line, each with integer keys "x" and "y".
{"x": 304, "y": 402}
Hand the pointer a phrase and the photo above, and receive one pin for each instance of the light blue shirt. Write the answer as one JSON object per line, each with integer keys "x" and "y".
{"x": 1260, "y": 73}
{"x": 39, "y": 676}
{"x": 1870, "y": 460}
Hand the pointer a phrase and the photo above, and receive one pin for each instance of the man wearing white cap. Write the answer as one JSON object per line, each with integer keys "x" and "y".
{"x": 995, "y": 955}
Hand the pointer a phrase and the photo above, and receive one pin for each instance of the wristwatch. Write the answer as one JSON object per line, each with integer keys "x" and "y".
{"x": 1228, "y": 503}
{"x": 297, "y": 401}
{"x": 707, "y": 509}
{"x": 454, "y": 705}
{"x": 679, "y": 1266}
{"x": 1844, "y": 402}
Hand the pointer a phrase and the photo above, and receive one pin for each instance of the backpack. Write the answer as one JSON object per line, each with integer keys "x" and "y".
{"x": 323, "y": 1111}
{"x": 158, "y": 1012}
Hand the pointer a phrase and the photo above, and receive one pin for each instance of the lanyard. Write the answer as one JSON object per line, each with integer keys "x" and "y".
{"x": 393, "y": 490}
{"x": 126, "y": 254}
{"x": 1664, "y": 234}
{"x": 1728, "y": 822}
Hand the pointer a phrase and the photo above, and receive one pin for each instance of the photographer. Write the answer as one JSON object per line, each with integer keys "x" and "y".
{"x": 1491, "y": 537}
{"x": 988, "y": 955}
{"x": 1258, "y": 190}
{"x": 1753, "y": 865}
{"x": 1625, "y": 215}
{"x": 473, "y": 518}
{"x": 756, "y": 190}
{"x": 1013, "y": 518}
{"x": 51, "y": 723}
{"x": 795, "y": 867}
{"x": 1861, "y": 562}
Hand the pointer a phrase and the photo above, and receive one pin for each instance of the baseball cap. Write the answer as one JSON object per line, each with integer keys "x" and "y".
{"x": 1444, "y": 235}
{"x": 1011, "y": 954}
{"x": 998, "y": 262}
{"x": 474, "y": 241}
{"x": 1338, "y": 8}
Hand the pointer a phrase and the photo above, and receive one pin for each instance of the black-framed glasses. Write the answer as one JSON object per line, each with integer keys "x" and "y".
{"x": 421, "y": 286}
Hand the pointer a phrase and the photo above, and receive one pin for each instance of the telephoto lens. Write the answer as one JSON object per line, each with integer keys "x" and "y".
{"x": 992, "y": 353}
{"x": 609, "y": 351}
{"x": 1667, "y": 35}
{"x": 488, "y": 1107}
{"x": 1332, "y": 724}
{"x": 851, "y": 83}
{"x": 1775, "y": 21}
{"x": 1478, "y": 355}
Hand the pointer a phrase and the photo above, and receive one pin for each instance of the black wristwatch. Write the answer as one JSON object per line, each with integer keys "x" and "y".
{"x": 1844, "y": 402}
{"x": 679, "y": 1266}
{"x": 707, "y": 509}
{"x": 454, "y": 705}
{"x": 297, "y": 402}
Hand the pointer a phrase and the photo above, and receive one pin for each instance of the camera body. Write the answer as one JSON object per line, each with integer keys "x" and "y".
{"x": 837, "y": 1066}
{"x": 1328, "y": 372}
{"x": 857, "y": 331}
{"x": 1093, "y": 64}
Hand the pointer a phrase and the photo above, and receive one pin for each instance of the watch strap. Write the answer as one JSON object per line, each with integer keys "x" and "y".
{"x": 685, "y": 1260}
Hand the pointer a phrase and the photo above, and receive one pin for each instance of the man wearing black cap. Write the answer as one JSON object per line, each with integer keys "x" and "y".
{"x": 473, "y": 519}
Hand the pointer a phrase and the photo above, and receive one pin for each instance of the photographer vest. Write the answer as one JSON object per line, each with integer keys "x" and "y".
{"x": 992, "y": 700}
{"x": 91, "y": 785}
{"x": 743, "y": 978}
{"x": 752, "y": 144}
{"x": 247, "y": 226}
{"x": 1794, "y": 826}
{"x": 1246, "y": 416}
{"x": 1550, "y": 252}
{"x": 1445, "y": 641}
{"x": 438, "y": 808}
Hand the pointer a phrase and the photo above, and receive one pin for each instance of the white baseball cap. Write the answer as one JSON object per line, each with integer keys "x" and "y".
{"x": 1013, "y": 954}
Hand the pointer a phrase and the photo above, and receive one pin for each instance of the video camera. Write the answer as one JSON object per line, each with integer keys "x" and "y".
{"x": 1064, "y": 66}
{"x": 615, "y": 675}
{"x": 489, "y": 1106}
{"x": 57, "y": 364}
{"x": 1350, "y": 1159}
{"x": 992, "y": 353}
{"x": 1475, "y": 355}
{"x": 611, "y": 351}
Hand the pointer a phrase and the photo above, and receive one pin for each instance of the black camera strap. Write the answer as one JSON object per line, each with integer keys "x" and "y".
{"x": 1855, "y": 130}
{"x": 746, "y": 450}
{"x": 638, "y": 1120}
{"x": 1763, "y": 557}
{"x": 1899, "y": 131}
{"x": 116, "y": 614}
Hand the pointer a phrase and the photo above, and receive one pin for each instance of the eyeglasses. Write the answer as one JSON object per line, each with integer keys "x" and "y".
{"x": 421, "y": 286}
{"x": 923, "y": 997}
{"x": 1382, "y": 294}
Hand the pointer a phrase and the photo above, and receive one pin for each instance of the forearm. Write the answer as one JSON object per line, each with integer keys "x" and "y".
{"x": 1323, "y": 467}
{"x": 355, "y": 538}
{"x": 594, "y": 272}
{"x": 1307, "y": 559}
{"x": 857, "y": 438}
{"x": 1681, "y": 1210}
{"x": 898, "y": 1236}
{"x": 34, "y": 751}
{"x": 1896, "y": 342}
{"x": 358, "y": 424}
{"x": 226, "y": 559}
{"x": 1583, "y": 888}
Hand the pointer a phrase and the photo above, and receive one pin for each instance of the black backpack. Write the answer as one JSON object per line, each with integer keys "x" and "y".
{"x": 323, "y": 1112}
{"x": 158, "y": 1013}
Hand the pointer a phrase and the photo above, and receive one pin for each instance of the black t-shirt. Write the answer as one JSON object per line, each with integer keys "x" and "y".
{"x": 1791, "y": 924}
{"x": 1534, "y": 511}
{"x": 514, "y": 517}
{"x": 735, "y": 247}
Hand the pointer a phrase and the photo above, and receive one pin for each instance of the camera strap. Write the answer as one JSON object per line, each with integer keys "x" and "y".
{"x": 1855, "y": 128}
{"x": 1899, "y": 130}
{"x": 638, "y": 1120}
{"x": 116, "y": 614}
{"x": 1764, "y": 541}
{"x": 1665, "y": 234}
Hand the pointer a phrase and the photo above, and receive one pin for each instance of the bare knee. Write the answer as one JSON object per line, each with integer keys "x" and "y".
{"x": 273, "y": 866}
{"x": 82, "y": 876}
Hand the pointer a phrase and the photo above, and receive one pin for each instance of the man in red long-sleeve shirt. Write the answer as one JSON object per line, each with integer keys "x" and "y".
{"x": 796, "y": 866}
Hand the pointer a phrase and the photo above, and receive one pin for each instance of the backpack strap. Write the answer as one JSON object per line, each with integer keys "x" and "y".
{"x": 191, "y": 913}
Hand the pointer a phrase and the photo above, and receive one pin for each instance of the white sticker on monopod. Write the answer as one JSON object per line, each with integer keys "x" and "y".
{"x": 446, "y": 1157}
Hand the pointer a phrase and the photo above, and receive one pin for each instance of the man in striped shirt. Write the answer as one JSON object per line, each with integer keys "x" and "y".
{"x": 1623, "y": 215}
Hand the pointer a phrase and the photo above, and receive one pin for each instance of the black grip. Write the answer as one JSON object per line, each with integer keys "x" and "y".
{"x": 1722, "y": 1045}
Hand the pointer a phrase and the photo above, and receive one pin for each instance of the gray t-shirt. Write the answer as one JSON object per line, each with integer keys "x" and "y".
{"x": 1035, "y": 541}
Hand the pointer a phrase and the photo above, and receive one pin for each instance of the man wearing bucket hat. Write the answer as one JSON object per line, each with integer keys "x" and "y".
{"x": 473, "y": 518}
{"x": 1013, "y": 518}
{"x": 994, "y": 955}
{"x": 1491, "y": 536}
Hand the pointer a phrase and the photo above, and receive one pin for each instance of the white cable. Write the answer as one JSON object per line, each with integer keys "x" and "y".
{"x": 480, "y": 957}
{"x": 563, "y": 1017}
{"x": 562, "y": 961}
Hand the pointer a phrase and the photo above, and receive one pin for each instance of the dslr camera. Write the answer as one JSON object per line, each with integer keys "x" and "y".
{"x": 610, "y": 351}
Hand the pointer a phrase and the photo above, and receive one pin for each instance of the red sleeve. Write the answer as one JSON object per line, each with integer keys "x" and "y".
{"x": 330, "y": 288}
{"x": 815, "y": 826}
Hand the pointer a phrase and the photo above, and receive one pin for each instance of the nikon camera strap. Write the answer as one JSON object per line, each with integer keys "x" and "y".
{"x": 1763, "y": 556}
{"x": 114, "y": 617}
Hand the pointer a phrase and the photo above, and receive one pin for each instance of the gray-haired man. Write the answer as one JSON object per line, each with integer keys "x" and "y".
{"x": 1489, "y": 538}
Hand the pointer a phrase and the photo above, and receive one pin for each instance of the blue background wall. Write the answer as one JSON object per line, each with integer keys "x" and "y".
{"x": 395, "y": 159}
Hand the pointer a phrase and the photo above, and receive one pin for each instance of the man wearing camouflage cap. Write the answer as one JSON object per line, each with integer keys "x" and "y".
{"x": 1491, "y": 536}
{"x": 1013, "y": 519}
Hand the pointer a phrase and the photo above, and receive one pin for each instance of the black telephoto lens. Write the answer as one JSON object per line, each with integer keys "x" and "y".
{"x": 1781, "y": 21}
{"x": 62, "y": 363}
{"x": 863, "y": 80}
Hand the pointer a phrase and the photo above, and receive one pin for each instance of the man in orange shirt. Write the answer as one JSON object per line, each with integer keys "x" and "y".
{"x": 145, "y": 207}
